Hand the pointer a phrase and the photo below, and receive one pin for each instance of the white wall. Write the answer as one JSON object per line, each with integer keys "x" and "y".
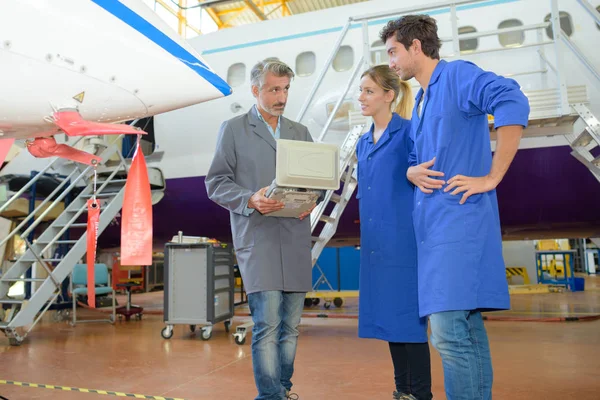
{"x": 520, "y": 254}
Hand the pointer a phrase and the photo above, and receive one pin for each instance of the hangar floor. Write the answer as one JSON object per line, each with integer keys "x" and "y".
{"x": 534, "y": 355}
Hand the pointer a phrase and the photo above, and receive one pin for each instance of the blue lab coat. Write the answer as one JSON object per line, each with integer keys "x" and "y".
{"x": 460, "y": 246}
{"x": 388, "y": 302}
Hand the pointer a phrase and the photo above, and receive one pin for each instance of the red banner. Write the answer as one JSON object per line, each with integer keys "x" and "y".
{"x": 92, "y": 236}
{"x": 136, "y": 221}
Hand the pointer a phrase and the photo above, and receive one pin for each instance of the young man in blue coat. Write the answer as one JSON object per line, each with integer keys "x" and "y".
{"x": 461, "y": 271}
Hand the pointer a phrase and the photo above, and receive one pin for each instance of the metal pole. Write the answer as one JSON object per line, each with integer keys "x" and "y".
{"x": 366, "y": 45}
{"x": 454, "y": 21}
{"x": 541, "y": 52}
{"x": 339, "y": 270}
{"x": 562, "y": 86}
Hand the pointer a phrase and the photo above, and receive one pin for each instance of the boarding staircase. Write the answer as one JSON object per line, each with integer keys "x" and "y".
{"x": 18, "y": 315}
{"x": 554, "y": 111}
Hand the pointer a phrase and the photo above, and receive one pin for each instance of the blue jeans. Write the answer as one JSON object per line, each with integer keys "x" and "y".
{"x": 461, "y": 340}
{"x": 276, "y": 316}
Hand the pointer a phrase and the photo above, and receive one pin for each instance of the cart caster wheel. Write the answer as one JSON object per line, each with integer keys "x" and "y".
{"x": 327, "y": 304}
{"x": 206, "y": 334}
{"x": 308, "y": 302}
{"x": 58, "y": 316}
{"x": 192, "y": 328}
{"x": 138, "y": 316}
{"x": 239, "y": 339}
{"x": 14, "y": 341}
{"x": 316, "y": 301}
{"x": 112, "y": 319}
{"x": 227, "y": 325}
{"x": 167, "y": 332}
{"x": 338, "y": 302}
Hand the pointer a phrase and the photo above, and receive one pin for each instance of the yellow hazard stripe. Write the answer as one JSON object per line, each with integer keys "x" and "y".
{"x": 73, "y": 389}
{"x": 515, "y": 271}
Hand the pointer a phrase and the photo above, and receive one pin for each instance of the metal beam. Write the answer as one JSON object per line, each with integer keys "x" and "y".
{"x": 220, "y": 13}
{"x": 212, "y": 3}
{"x": 215, "y": 17}
{"x": 176, "y": 14}
{"x": 181, "y": 18}
{"x": 261, "y": 15}
{"x": 285, "y": 9}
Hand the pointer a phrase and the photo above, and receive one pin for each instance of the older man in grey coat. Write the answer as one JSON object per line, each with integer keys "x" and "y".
{"x": 274, "y": 254}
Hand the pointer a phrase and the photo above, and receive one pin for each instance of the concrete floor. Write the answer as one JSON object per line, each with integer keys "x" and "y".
{"x": 532, "y": 360}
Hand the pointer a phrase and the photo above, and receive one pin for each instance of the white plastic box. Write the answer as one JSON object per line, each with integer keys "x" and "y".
{"x": 303, "y": 169}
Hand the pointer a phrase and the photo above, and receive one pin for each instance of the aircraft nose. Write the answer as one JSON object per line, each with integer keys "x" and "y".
{"x": 166, "y": 72}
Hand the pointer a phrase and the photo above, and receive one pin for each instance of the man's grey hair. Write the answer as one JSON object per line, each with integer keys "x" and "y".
{"x": 272, "y": 65}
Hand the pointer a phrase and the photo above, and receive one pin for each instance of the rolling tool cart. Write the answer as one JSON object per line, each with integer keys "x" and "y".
{"x": 199, "y": 286}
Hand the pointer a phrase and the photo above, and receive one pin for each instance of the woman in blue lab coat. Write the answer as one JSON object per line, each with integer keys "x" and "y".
{"x": 388, "y": 303}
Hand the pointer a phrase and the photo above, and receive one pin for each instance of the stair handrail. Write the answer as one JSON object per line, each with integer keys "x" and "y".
{"x": 32, "y": 181}
{"x": 590, "y": 10}
{"x": 38, "y": 208}
{"x": 573, "y": 47}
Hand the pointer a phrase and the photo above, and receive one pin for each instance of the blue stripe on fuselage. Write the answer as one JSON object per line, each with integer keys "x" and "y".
{"x": 138, "y": 23}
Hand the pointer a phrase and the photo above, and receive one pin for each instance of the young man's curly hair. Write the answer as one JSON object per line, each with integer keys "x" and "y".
{"x": 411, "y": 27}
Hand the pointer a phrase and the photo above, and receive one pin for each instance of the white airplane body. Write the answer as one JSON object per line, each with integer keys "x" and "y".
{"x": 112, "y": 61}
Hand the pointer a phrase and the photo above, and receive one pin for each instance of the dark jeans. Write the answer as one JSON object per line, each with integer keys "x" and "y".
{"x": 412, "y": 369}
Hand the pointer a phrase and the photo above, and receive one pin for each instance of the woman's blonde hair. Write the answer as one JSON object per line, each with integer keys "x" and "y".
{"x": 387, "y": 79}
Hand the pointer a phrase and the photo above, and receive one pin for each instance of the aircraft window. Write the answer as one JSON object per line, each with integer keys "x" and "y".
{"x": 378, "y": 54}
{"x": 306, "y": 63}
{"x": 236, "y": 74}
{"x": 566, "y": 24}
{"x": 344, "y": 59}
{"x": 511, "y": 39}
{"x": 467, "y": 44}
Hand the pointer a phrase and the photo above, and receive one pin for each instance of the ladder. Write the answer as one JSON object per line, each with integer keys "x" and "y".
{"x": 20, "y": 314}
{"x": 584, "y": 142}
{"x": 348, "y": 164}
{"x": 348, "y": 170}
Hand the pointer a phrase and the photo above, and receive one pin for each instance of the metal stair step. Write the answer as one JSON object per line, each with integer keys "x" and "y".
{"x": 89, "y": 196}
{"x": 315, "y": 238}
{"x": 596, "y": 161}
{"x": 111, "y": 181}
{"x": 76, "y": 211}
{"x": 23, "y": 280}
{"x": 336, "y": 198}
{"x": 583, "y": 139}
{"x": 80, "y": 225}
{"x": 57, "y": 242}
{"x": 43, "y": 259}
{"x": 11, "y": 301}
{"x": 327, "y": 219}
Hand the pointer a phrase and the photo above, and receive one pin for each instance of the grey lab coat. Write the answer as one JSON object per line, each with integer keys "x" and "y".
{"x": 272, "y": 253}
